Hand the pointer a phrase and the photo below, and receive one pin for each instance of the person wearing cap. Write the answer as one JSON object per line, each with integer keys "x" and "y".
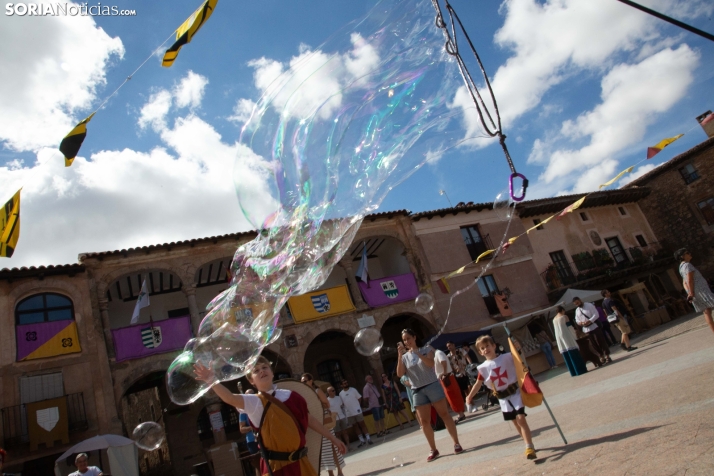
{"x": 698, "y": 292}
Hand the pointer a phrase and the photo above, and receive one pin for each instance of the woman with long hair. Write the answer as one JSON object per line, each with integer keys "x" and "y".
{"x": 330, "y": 459}
{"x": 567, "y": 345}
{"x": 698, "y": 292}
{"x": 418, "y": 364}
{"x": 394, "y": 401}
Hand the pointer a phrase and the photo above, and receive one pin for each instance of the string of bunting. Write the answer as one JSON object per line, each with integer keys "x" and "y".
{"x": 443, "y": 281}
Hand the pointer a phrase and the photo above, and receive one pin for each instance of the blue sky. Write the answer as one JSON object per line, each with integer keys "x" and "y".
{"x": 583, "y": 87}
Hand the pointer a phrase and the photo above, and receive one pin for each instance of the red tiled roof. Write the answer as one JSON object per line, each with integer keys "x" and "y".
{"x": 40, "y": 271}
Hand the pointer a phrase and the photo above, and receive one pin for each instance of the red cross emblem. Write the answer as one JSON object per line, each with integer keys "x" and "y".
{"x": 497, "y": 376}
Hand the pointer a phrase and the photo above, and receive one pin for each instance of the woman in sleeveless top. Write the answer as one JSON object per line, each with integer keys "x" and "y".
{"x": 698, "y": 292}
{"x": 417, "y": 363}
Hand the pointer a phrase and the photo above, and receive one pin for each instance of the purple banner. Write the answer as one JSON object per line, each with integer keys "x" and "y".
{"x": 31, "y": 337}
{"x": 389, "y": 290}
{"x": 141, "y": 340}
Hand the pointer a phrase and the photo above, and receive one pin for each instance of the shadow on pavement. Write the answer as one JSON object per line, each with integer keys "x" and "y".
{"x": 380, "y": 471}
{"x": 561, "y": 451}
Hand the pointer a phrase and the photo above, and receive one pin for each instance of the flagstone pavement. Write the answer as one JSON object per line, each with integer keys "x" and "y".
{"x": 650, "y": 412}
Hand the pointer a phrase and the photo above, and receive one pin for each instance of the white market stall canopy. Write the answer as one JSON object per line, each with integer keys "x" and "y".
{"x": 122, "y": 453}
{"x": 585, "y": 295}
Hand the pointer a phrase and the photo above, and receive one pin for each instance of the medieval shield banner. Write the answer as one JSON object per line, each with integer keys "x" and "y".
{"x": 47, "y": 418}
{"x": 151, "y": 337}
{"x": 390, "y": 289}
{"x": 321, "y": 303}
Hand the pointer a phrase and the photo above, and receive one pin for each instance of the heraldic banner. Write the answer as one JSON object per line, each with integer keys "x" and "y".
{"x": 141, "y": 340}
{"x": 386, "y": 291}
{"x": 320, "y": 304}
{"x": 47, "y": 422}
{"x": 46, "y": 339}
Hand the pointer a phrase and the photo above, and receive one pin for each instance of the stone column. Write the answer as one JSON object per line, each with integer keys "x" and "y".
{"x": 190, "y": 291}
{"x": 354, "y": 287}
{"x": 218, "y": 436}
{"x": 108, "y": 339}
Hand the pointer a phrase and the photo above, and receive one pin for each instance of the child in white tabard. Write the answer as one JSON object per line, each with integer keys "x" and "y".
{"x": 499, "y": 375}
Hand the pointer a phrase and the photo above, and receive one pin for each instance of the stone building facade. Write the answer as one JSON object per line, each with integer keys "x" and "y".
{"x": 680, "y": 208}
{"x": 606, "y": 243}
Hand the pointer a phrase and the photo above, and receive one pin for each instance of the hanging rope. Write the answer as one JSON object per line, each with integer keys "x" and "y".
{"x": 492, "y": 127}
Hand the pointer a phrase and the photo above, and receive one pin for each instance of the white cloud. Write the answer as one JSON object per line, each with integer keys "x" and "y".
{"x": 553, "y": 40}
{"x": 154, "y": 112}
{"x": 189, "y": 92}
{"x": 129, "y": 198}
{"x": 242, "y": 111}
{"x": 320, "y": 78}
{"x": 632, "y": 95}
{"x": 53, "y": 68}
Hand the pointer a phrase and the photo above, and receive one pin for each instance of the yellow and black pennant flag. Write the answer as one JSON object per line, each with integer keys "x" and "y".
{"x": 185, "y": 33}
{"x": 10, "y": 226}
{"x": 73, "y": 141}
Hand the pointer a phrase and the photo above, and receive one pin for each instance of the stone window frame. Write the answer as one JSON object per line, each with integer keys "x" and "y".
{"x": 689, "y": 177}
{"x": 623, "y": 215}
{"x": 644, "y": 238}
{"x": 706, "y": 223}
{"x": 585, "y": 217}
{"x": 46, "y": 309}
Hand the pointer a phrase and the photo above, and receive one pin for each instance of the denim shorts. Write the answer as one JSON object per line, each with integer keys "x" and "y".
{"x": 378, "y": 413}
{"x": 428, "y": 394}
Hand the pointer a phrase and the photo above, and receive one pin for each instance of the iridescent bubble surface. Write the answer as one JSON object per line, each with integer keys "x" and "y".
{"x": 424, "y": 303}
{"x": 368, "y": 341}
{"x": 148, "y": 435}
{"x": 342, "y": 125}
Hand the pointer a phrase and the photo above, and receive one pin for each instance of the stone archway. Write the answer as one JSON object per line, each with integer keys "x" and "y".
{"x": 331, "y": 356}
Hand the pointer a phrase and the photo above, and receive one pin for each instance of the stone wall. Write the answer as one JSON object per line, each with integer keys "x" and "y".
{"x": 672, "y": 210}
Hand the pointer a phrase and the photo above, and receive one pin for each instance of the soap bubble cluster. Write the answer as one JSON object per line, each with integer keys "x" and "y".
{"x": 340, "y": 127}
{"x": 148, "y": 435}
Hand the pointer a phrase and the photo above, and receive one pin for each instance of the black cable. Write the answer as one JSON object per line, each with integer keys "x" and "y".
{"x": 671, "y": 20}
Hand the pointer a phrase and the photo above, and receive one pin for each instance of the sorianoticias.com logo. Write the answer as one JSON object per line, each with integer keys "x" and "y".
{"x": 64, "y": 9}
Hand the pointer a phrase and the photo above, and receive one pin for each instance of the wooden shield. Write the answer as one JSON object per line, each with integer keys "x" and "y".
{"x": 314, "y": 406}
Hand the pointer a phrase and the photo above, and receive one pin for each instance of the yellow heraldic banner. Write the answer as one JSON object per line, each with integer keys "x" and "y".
{"x": 49, "y": 340}
{"x": 10, "y": 226}
{"x": 47, "y": 422}
{"x": 320, "y": 304}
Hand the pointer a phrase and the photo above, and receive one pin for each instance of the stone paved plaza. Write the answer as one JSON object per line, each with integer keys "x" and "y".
{"x": 650, "y": 412}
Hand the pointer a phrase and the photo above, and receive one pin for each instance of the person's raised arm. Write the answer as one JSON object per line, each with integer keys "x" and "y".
{"x": 315, "y": 424}
{"x": 401, "y": 368}
{"x": 205, "y": 374}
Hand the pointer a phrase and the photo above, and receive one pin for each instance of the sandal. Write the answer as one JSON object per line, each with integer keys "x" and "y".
{"x": 458, "y": 449}
{"x": 432, "y": 456}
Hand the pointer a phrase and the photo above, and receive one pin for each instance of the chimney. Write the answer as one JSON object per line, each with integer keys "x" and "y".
{"x": 706, "y": 120}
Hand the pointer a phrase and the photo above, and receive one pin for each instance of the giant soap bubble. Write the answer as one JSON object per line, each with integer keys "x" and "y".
{"x": 336, "y": 131}
{"x": 368, "y": 341}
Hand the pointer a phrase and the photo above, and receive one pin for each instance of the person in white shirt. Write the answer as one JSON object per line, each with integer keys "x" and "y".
{"x": 353, "y": 409}
{"x": 338, "y": 406}
{"x": 586, "y": 316}
{"x": 445, "y": 374}
{"x": 83, "y": 469}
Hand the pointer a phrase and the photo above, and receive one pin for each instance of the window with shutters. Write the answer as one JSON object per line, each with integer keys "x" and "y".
{"x": 41, "y": 387}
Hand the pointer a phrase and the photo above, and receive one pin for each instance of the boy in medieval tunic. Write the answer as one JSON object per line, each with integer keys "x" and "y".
{"x": 499, "y": 375}
{"x": 280, "y": 418}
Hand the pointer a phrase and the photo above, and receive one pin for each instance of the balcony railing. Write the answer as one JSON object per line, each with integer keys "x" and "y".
{"x": 600, "y": 262}
{"x": 475, "y": 249}
{"x": 14, "y": 420}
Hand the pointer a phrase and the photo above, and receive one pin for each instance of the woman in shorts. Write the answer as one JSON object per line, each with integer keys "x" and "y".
{"x": 417, "y": 363}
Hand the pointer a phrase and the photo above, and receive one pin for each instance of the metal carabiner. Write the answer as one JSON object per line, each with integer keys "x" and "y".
{"x": 523, "y": 188}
